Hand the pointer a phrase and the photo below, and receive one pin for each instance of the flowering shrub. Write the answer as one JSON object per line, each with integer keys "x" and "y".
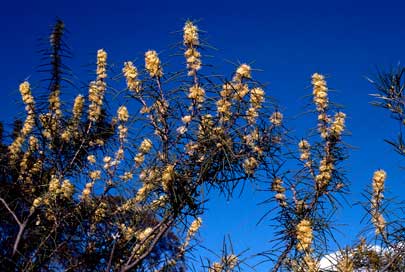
{"x": 84, "y": 189}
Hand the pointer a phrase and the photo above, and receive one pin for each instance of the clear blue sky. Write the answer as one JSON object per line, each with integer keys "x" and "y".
{"x": 289, "y": 41}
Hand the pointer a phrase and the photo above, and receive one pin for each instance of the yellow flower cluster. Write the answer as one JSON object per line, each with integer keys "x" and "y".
{"x": 122, "y": 132}
{"x": 29, "y": 123}
{"x": 241, "y": 90}
{"x": 126, "y": 176}
{"x": 256, "y": 97}
{"x": 77, "y": 113}
{"x": 223, "y": 108}
{"x": 87, "y": 191}
{"x": 320, "y": 92}
{"x": 145, "y": 146}
{"x": 26, "y": 95}
{"x": 91, "y": 159}
{"x": 190, "y": 34}
{"x": 249, "y": 165}
{"x": 276, "y": 118}
{"x": 78, "y": 107}
{"x": 224, "y": 104}
{"x": 305, "y": 150}
{"x": 122, "y": 114}
{"x": 101, "y": 64}
{"x": 96, "y": 96}
{"x": 67, "y": 189}
{"x": 194, "y": 227}
{"x": 54, "y": 103}
{"x": 100, "y": 212}
{"x": 243, "y": 71}
{"x": 256, "y": 100}
{"x": 94, "y": 175}
{"x": 152, "y": 64}
{"x": 55, "y": 188}
{"x": 196, "y": 93}
{"x": 338, "y": 125}
{"x": 25, "y": 175}
{"x": 227, "y": 264}
{"x": 215, "y": 267}
{"x": 131, "y": 75}
{"x": 325, "y": 173}
{"x": 277, "y": 186}
{"x": 378, "y": 190}
{"x": 191, "y": 41}
{"x": 186, "y": 119}
{"x": 36, "y": 203}
{"x": 168, "y": 177}
{"x": 144, "y": 149}
{"x": 98, "y": 88}
{"x": 304, "y": 235}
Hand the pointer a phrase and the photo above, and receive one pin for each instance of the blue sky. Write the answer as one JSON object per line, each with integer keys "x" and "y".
{"x": 345, "y": 40}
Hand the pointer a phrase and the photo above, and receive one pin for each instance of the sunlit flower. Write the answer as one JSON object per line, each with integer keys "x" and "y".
{"x": 338, "y": 125}
{"x": 250, "y": 165}
{"x": 197, "y": 93}
{"x": 67, "y": 189}
{"x": 190, "y": 34}
{"x": 276, "y": 118}
{"x": 122, "y": 113}
{"x": 91, "y": 159}
{"x": 131, "y": 75}
{"x": 242, "y": 72}
{"x": 320, "y": 92}
{"x": 146, "y": 146}
{"x": 152, "y": 64}
{"x": 304, "y": 235}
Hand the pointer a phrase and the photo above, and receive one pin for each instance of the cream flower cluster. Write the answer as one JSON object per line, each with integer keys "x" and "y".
{"x": 77, "y": 114}
{"x": 96, "y": 96}
{"x": 243, "y": 71}
{"x": 131, "y": 75}
{"x": 325, "y": 173}
{"x": 256, "y": 100}
{"x": 190, "y": 34}
{"x": 194, "y": 227}
{"x": 55, "y": 188}
{"x": 54, "y": 103}
{"x": 143, "y": 149}
{"x": 97, "y": 88}
{"x": 101, "y": 64}
{"x": 227, "y": 264}
{"x": 29, "y": 122}
{"x": 191, "y": 41}
{"x": 305, "y": 150}
{"x": 276, "y": 118}
{"x": 338, "y": 125}
{"x": 304, "y": 235}
{"x": 122, "y": 114}
{"x": 168, "y": 177}
{"x": 224, "y": 104}
{"x": 197, "y": 94}
{"x": 320, "y": 92}
{"x": 249, "y": 165}
{"x": 277, "y": 186}
{"x": 152, "y": 64}
{"x": 377, "y": 197}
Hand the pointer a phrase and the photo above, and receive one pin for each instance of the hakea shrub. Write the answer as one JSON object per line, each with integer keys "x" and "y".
{"x": 84, "y": 189}
{"x": 306, "y": 198}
